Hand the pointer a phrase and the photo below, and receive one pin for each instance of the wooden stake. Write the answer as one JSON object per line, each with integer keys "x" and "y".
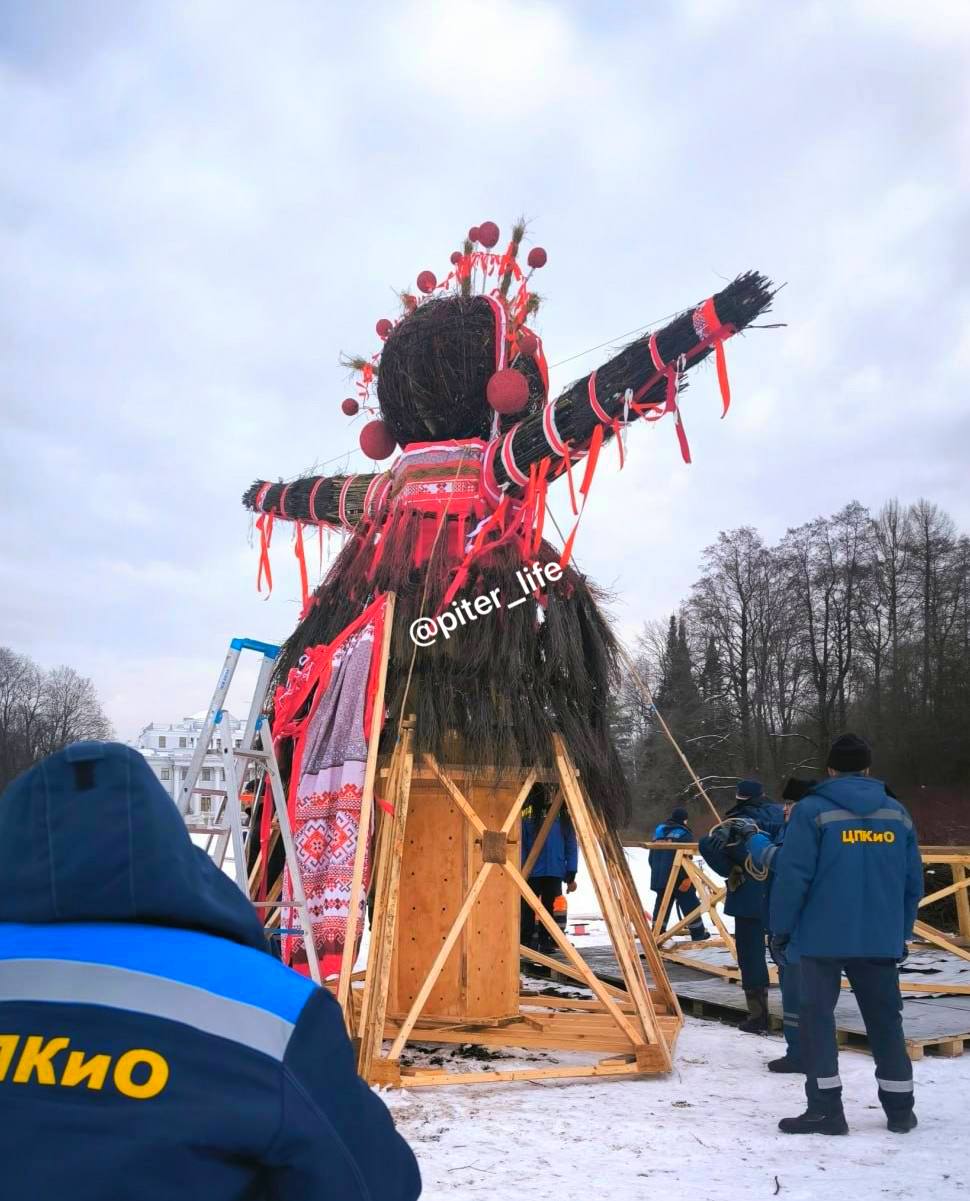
{"x": 648, "y": 697}
{"x": 366, "y": 810}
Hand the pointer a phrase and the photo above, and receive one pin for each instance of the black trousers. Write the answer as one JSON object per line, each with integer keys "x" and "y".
{"x": 547, "y": 888}
{"x": 685, "y": 902}
{"x": 749, "y": 937}
{"x": 875, "y": 983}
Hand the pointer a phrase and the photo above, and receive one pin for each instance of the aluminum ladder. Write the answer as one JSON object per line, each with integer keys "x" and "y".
{"x": 255, "y": 748}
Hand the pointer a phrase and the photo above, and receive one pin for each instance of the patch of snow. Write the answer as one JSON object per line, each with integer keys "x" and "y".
{"x": 707, "y": 1132}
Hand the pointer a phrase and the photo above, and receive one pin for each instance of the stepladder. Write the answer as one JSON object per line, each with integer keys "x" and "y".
{"x": 249, "y": 762}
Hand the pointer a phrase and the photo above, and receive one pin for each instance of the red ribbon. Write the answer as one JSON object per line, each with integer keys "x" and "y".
{"x": 264, "y": 524}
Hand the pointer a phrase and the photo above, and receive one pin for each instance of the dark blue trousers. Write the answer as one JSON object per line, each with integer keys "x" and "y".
{"x": 790, "y": 977}
{"x": 875, "y": 983}
{"x": 749, "y": 937}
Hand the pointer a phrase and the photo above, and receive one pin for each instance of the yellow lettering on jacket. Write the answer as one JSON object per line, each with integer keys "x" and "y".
{"x": 78, "y": 1070}
{"x": 138, "y": 1073}
{"x": 157, "y": 1074}
{"x": 8, "y": 1044}
{"x": 35, "y": 1059}
{"x": 868, "y": 836}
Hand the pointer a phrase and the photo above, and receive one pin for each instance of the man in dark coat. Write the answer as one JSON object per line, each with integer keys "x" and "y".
{"x": 742, "y": 841}
{"x": 675, "y": 829}
{"x": 848, "y": 883}
{"x": 150, "y": 1047}
{"x": 745, "y": 901}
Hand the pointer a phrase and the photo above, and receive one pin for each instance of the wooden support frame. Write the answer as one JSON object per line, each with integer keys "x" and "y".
{"x": 711, "y": 894}
{"x": 638, "y": 1024}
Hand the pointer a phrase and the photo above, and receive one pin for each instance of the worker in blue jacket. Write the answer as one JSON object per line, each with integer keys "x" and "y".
{"x": 744, "y": 843}
{"x": 150, "y": 1046}
{"x": 745, "y": 901}
{"x": 675, "y": 829}
{"x": 555, "y": 865}
{"x": 848, "y": 883}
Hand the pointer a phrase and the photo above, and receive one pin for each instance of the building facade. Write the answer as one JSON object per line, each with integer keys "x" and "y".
{"x": 169, "y": 747}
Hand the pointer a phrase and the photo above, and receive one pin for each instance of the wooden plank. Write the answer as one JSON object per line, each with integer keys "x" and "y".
{"x": 366, "y": 811}
{"x": 662, "y": 911}
{"x": 950, "y": 889}
{"x": 616, "y": 924}
{"x": 520, "y": 800}
{"x": 455, "y": 793}
{"x": 434, "y": 1079}
{"x": 540, "y": 842}
{"x": 571, "y": 972}
{"x": 930, "y": 934}
{"x": 384, "y": 924}
{"x": 572, "y": 955}
{"x": 439, "y": 962}
{"x": 963, "y": 901}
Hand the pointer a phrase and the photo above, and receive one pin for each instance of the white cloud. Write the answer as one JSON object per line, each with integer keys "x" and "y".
{"x": 201, "y": 206}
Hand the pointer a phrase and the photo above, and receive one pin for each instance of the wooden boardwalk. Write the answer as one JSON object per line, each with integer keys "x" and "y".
{"x": 937, "y": 1024}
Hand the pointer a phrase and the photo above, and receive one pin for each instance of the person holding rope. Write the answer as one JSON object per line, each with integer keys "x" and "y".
{"x": 741, "y": 840}
{"x": 745, "y": 900}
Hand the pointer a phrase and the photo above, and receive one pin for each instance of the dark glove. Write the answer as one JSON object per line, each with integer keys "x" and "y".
{"x": 733, "y": 831}
{"x": 778, "y": 946}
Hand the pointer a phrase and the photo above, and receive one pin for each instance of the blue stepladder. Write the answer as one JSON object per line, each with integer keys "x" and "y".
{"x": 253, "y": 755}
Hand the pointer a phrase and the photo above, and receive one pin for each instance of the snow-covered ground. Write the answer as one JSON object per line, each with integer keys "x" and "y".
{"x": 707, "y": 1132}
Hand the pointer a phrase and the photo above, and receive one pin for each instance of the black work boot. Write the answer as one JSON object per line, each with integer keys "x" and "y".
{"x": 901, "y": 1123}
{"x": 785, "y": 1064}
{"x": 815, "y": 1122}
{"x": 757, "y": 1020}
{"x": 699, "y": 934}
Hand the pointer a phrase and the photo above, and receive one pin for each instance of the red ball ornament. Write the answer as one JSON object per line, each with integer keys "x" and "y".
{"x": 350, "y": 407}
{"x": 507, "y": 391}
{"x": 537, "y": 257}
{"x": 384, "y": 327}
{"x": 473, "y": 234}
{"x": 456, "y": 257}
{"x": 376, "y": 440}
{"x": 410, "y": 302}
{"x": 528, "y": 343}
{"x": 488, "y": 234}
{"x": 427, "y": 282}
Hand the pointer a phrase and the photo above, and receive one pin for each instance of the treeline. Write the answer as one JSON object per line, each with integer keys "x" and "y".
{"x": 854, "y": 621}
{"x": 43, "y": 711}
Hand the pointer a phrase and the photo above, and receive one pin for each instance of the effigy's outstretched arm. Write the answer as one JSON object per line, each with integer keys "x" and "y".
{"x": 641, "y": 381}
{"x": 334, "y": 500}
{"x": 647, "y": 373}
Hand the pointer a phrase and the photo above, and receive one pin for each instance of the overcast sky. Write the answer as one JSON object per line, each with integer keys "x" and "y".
{"x": 202, "y": 204}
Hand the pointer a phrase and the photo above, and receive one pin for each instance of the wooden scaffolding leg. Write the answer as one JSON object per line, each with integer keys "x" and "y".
{"x": 364, "y": 827}
{"x": 634, "y": 907}
{"x": 616, "y": 922}
{"x": 662, "y": 912}
{"x": 384, "y": 923}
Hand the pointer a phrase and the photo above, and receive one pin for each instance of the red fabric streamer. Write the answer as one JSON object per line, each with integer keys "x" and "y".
{"x": 300, "y": 553}
{"x": 264, "y": 523}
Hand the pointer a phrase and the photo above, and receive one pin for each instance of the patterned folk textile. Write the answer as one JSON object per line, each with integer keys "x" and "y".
{"x": 325, "y": 707}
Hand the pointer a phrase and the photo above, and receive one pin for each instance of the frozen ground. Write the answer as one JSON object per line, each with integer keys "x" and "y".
{"x": 705, "y": 1133}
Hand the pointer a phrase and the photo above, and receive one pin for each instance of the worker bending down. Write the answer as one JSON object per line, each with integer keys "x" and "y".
{"x": 150, "y": 1046}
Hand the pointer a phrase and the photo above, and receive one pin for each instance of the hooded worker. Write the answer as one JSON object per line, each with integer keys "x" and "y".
{"x": 745, "y": 900}
{"x": 151, "y": 1047}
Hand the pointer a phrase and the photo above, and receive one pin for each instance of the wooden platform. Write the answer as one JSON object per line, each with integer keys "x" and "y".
{"x": 932, "y": 1024}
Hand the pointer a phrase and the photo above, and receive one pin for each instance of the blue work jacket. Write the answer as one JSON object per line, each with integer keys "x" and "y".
{"x": 150, "y": 1046}
{"x": 848, "y": 877}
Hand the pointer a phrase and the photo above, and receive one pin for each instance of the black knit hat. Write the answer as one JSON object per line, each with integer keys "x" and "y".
{"x": 849, "y": 753}
{"x": 796, "y": 788}
{"x": 679, "y": 815}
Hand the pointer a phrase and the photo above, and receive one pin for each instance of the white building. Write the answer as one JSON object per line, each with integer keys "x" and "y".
{"x": 169, "y": 746}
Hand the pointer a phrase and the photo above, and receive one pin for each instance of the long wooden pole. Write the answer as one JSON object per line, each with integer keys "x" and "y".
{"x": 648, "y": 697}
{"x": 366, "y": 810}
